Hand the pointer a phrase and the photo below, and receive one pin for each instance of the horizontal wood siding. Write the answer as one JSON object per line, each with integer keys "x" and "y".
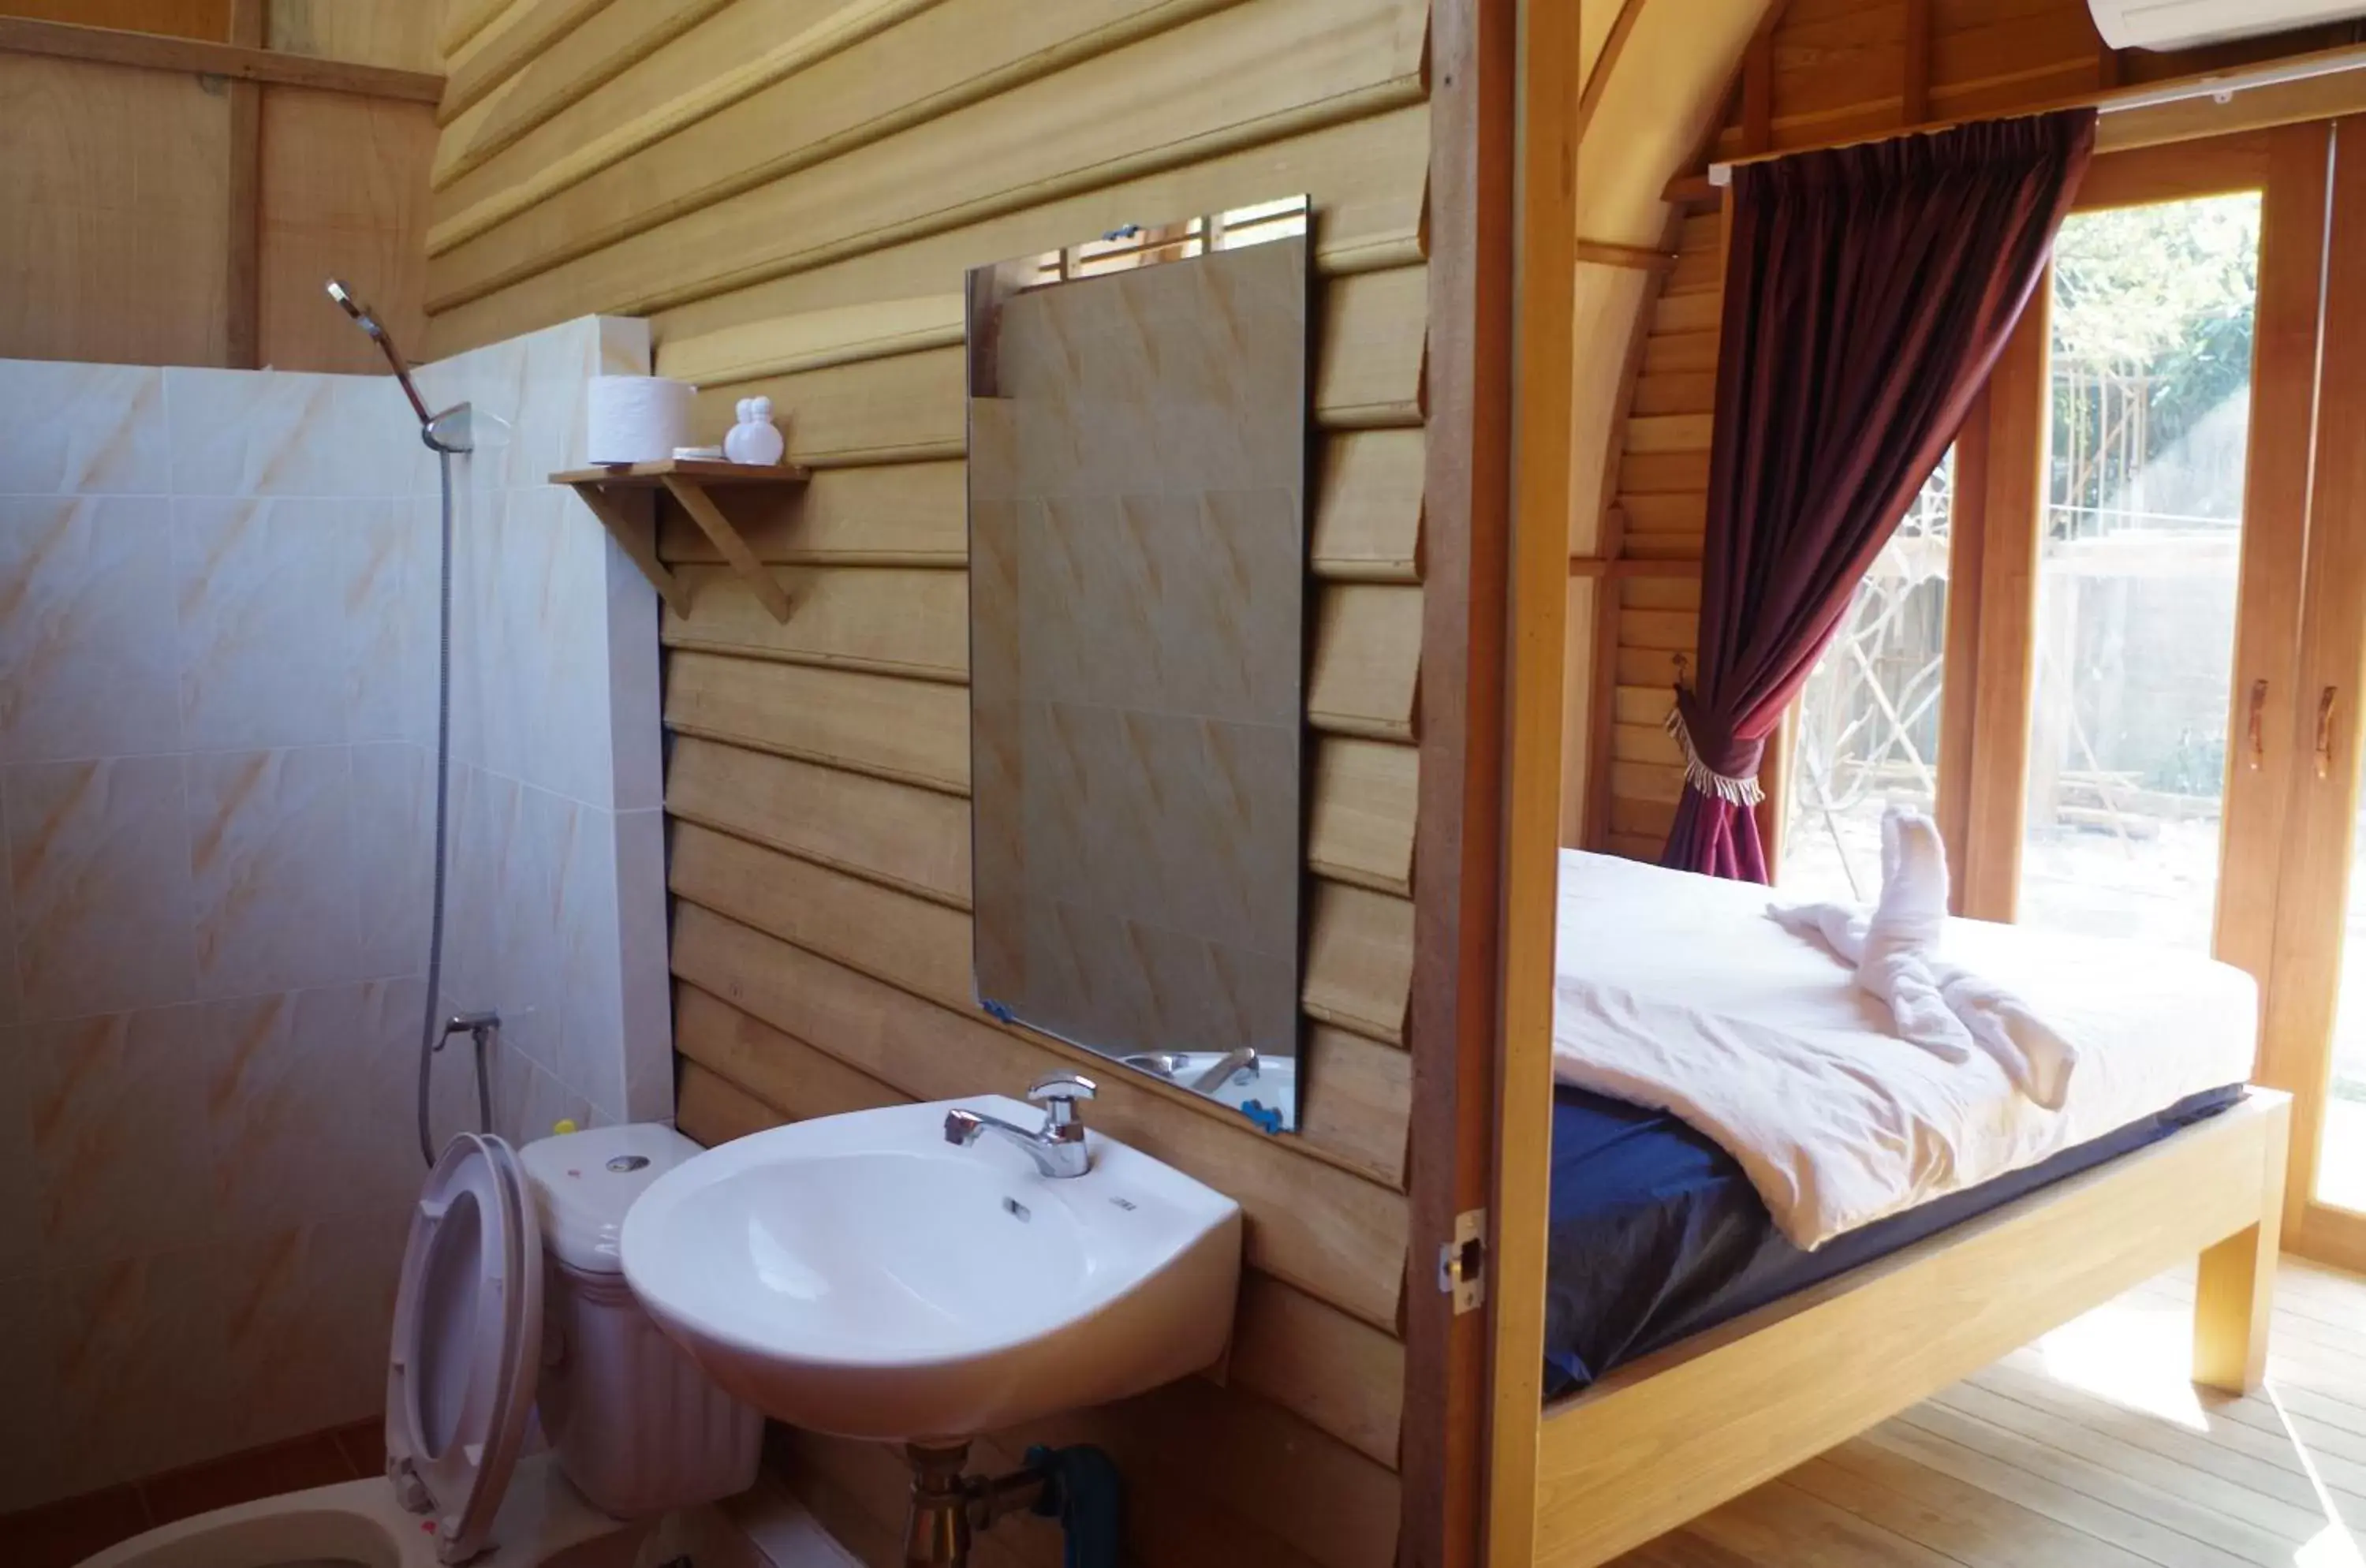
{"x": 793, "y": 190}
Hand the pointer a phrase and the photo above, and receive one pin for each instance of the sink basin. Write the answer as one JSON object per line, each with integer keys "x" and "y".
{"x": 857, "y": 1275}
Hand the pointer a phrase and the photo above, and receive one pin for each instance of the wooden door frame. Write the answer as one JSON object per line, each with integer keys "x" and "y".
{"x": 1993, "y": 561}
{"x": 2272, "y": 844}
{"x": 2313, "y": 886}
{"x": 1501, "y": 216}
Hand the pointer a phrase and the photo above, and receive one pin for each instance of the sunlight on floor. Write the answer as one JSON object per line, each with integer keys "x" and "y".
{"x": 2336, "y": 1548}
{"x": 2134, "y": 1354}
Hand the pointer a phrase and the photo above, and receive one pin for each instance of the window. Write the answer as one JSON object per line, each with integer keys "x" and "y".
{"x": 1867, "y": 729}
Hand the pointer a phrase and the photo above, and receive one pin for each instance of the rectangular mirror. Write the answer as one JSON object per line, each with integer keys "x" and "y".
{"x": 1137, "y": 489}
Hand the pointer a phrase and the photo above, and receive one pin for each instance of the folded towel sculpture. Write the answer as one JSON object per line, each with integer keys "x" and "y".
{"x": 1941, "y": 1007}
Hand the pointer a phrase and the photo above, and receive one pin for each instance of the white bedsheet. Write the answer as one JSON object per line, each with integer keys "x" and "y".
{"x": 1676, "y": 992}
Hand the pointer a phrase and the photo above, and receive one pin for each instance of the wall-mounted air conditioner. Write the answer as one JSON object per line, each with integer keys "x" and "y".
{"x": 2176, "y": 24}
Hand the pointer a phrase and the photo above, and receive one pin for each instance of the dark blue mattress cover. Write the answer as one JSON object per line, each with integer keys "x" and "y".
{"x": 1657, "y": 1234}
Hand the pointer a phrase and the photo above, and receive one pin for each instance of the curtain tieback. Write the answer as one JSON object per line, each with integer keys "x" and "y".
{"x": 1728, "y": 772}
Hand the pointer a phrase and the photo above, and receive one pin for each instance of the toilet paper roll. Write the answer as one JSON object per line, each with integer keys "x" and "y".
{"x": 636, "y": 419}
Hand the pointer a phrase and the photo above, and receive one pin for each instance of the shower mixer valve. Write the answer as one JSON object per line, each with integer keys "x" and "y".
{"x": 475, "y": 1025}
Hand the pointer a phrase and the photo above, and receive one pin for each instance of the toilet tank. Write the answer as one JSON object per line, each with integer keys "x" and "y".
{"x": 636, "y": 1426}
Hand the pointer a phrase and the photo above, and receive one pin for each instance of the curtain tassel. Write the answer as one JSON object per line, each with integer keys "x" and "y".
{"x": 1744, "y": 792}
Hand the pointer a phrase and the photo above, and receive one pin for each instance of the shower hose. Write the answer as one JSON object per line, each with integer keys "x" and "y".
{"x": 431, "y": 1032}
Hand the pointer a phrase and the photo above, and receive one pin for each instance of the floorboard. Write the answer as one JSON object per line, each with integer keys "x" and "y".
{"x": 2090, "y": 1449}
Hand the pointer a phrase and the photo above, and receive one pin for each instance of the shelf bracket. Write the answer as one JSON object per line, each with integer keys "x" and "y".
{"x": 694, "y": 499}
{"x": 637, "y": 538}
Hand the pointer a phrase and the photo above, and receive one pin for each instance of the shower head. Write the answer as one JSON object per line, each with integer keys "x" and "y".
{"x": 378, "y": 335}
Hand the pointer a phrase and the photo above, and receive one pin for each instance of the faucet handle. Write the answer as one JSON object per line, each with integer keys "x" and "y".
{"x": 1057, "y": 1093}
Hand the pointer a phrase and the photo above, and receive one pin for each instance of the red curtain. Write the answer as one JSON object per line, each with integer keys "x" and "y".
{"x": 1867, "y": 292}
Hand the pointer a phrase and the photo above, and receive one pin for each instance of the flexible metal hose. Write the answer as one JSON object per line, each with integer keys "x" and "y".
{"x": 431, "y": 1033}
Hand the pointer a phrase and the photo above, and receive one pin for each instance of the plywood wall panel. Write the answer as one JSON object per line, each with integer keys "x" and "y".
{"x": 908, "y": 407}
{"x": 1288, "y": 62}
{"x": 909, "y": 731}
{"x": 916, "y": 839}
{"x": 114, "y": 183}
{"x": 1366, "y": 794}
{"x": 1367, "y": 661}
{"x": 206, "y": 19}
{"x": 727, "y": 108}
{"x": 890, "y": 514}
{"x": 1365, "y": 177}
{"x": 398, "y": 34}
{"x": 605, "y": 45}
{"x": 893, "y": 621}
{"x": 714, "y": 1110}
{"x": 345, "y": 194}
{"x": 1366, "y": 523}
{"x": 913, "y": 944}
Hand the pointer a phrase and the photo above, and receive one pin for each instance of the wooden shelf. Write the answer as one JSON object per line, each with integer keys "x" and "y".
{"x": 650, "y": 476}
{"x": 687, "y": 481}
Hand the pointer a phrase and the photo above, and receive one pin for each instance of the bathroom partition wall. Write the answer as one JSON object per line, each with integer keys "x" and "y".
{"x": 555, "y": 907}
{"x": 216, "y": 726}
{"x": 215, "y": 674}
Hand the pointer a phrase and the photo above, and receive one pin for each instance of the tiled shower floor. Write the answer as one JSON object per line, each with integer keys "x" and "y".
{"x": 61, "y": 1534}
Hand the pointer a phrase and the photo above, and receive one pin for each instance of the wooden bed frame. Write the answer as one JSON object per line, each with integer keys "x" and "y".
{"x": 1671, "y": 1436}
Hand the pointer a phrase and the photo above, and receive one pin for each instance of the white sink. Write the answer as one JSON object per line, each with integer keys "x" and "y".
{"x": 860, "y": 1276}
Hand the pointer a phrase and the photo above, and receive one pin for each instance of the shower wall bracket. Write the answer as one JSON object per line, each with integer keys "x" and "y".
{"x": 688, "y": 485}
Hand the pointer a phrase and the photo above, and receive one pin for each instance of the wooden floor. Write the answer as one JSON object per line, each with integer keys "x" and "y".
{"x": 2089, "y": 1450}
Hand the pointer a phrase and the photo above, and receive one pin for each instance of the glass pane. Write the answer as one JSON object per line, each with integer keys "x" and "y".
{"x": 2137, "y": 573}
{"x": 1867, "y": 731}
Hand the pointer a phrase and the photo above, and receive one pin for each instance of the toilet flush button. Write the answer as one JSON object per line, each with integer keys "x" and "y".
{"x": 624, "y": 1163}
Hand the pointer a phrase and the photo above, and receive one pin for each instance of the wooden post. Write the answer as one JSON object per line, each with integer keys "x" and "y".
{"x": 2234, "y": 1296}
{"x": 1458, "y": 835}
{"x": 1915, "y": 98}
{"x": 250, "y": 27}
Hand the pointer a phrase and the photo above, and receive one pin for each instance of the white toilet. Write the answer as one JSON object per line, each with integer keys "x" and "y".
{"x": 512, "y": 1289}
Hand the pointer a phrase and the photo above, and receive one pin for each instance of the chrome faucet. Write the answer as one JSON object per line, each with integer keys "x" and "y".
{"x": 1216, "y": 1076}
{"x": 1058, "y": 1147}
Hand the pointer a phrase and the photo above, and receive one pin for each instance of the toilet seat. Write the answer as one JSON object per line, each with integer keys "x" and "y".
{"x": 467, "y": 1343}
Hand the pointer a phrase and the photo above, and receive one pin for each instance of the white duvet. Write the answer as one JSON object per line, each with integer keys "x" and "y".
{"x": 1676, "y": 991}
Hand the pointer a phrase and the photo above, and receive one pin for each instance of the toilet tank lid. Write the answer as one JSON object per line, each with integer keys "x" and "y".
{"x": 584, "y": 1181}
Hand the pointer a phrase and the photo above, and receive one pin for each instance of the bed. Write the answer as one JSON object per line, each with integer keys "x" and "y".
{"x": 1695, "y": 1347}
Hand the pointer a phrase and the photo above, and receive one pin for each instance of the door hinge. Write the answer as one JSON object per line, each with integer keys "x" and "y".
{"x": 1462, "y": 1262}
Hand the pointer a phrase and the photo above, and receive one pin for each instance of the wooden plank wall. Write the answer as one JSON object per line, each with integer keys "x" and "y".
{"x": 130, "y": 240}
{"x": 791, "y": 190}
{"x": 1827, "y": 70}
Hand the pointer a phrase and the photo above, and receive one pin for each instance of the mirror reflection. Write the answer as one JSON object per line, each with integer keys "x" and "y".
{"x": 1137, "y": 478}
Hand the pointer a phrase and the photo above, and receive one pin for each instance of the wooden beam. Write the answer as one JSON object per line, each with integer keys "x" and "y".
{"x": 1643, "y": 258}
{"x": 2012, "y": 527}
{"x": 1545, "y": 476}
{"x": 2337, "y": 88}
{"x": 1915, "y": 93}
{"x": 1474, "y": 71}
{"x": 1620, "y": 567}
{"x": 151, "y": 51}
{"x": 1758, "y": 86}
{"x": 250, "y": 26}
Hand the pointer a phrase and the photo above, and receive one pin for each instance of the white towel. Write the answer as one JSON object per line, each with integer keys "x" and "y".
{"x": 1941, "y": 1007}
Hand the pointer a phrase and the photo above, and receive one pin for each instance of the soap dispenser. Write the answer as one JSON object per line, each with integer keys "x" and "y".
{"x": 755, "y": 439}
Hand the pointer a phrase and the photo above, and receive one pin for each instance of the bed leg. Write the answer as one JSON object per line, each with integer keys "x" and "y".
{"x": 2234, "y": 1296}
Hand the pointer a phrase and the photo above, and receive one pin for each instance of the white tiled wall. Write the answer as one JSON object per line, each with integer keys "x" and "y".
{"x": 217, "y": 722}
{"x": 558, "y": 821}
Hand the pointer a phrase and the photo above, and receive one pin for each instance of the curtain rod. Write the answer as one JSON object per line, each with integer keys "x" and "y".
{"x": 2221, "y": 89}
